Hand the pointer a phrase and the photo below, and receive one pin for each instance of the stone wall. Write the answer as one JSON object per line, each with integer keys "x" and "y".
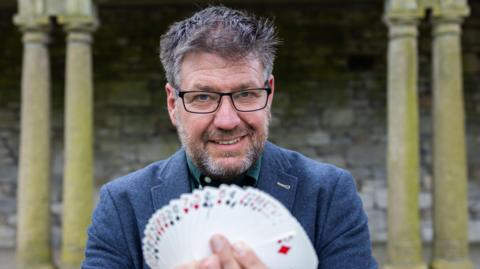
{"x": 330, "y": 99}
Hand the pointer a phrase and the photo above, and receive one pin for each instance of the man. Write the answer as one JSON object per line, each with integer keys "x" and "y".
{"x": 218, "y": 65}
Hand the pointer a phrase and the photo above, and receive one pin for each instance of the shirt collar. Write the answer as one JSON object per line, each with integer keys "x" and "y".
{"x": 195, "y": 174}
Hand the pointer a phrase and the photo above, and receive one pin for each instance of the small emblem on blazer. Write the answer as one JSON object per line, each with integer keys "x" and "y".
{"x": 285, "y": 186}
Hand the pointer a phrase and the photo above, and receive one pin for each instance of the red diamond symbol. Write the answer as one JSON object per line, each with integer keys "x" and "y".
{"x": 283, "y": 249}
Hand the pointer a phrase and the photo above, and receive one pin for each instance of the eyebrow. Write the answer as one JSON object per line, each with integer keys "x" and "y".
{"x": 243, "y": 86}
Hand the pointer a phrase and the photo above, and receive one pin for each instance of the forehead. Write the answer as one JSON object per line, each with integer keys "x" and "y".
{"x": 200, "y": 69}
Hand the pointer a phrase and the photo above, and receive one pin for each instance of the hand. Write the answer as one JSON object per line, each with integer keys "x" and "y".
{"x": 226, "y": 256}
{"x": 238, "y": 256}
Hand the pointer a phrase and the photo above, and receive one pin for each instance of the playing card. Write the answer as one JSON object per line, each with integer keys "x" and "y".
{"x": 179, "y": 232}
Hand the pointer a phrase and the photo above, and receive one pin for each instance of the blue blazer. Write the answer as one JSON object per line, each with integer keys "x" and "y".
{"x": 322, "y": 197}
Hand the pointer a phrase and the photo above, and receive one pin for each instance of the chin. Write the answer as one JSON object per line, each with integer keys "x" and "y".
{"x": 227, "y": 167}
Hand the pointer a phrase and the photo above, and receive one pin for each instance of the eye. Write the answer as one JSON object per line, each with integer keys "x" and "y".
{"x": 248, "y": 94}
{"x": 202, "y": 97}
{"x": 245, "y": 94}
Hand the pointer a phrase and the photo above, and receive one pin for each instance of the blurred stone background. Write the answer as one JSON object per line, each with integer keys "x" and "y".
{"x": 330, "y": 98}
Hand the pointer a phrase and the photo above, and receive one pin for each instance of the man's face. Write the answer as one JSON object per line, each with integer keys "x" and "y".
{"x": 225, "y": 143}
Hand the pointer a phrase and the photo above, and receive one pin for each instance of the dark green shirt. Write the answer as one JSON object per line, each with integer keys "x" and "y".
{"x": 199, "y": 180}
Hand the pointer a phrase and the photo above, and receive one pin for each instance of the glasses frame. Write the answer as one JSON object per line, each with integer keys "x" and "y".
{"x": 229, "y": 94}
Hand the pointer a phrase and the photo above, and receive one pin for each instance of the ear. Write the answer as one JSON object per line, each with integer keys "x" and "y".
{"x": 171, "y": 103}
{"x": 271, "y": 84}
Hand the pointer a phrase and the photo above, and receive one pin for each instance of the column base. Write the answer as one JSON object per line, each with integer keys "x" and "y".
{"x": 70, "y": 267}
{"x": 37, "y": 266}
{"x": 405, "y": 266}
{"x": 445, "y": 264}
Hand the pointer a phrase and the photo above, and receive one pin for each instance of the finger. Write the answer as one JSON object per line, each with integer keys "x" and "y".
{"x": 211, "y": 262}
{"x": 191, "y": 265}
{"x": 222, "y": 248}
{"x": 246, "y": 257}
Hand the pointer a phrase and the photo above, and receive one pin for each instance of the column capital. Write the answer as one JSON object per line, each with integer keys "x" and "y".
{"x": 79, "y": 16}
{"x": 32, "y": 23}
{"x": 402, "y": 11}
{"x": 443, "y": 26}
{"x": 35, "y": 33}
{"x": 85, "y": 24}
{"x": 403, "y": 30}
{"x": 451, "y": 9}
{"x": 447, "y": 18}
{"x": 79, "y": 28}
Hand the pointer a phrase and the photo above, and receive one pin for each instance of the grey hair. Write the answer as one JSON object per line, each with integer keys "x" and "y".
{"x": 229, "y": 33}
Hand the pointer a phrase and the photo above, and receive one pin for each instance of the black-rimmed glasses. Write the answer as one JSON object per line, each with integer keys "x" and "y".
{"x": 204, "y": 102}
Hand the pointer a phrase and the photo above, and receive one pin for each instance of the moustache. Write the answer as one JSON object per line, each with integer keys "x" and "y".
{"x": 220, "y": 134}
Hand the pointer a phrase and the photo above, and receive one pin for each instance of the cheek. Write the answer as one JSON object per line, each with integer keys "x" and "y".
{"x": 257, "y": 121}
{"x": 194, "y": 125}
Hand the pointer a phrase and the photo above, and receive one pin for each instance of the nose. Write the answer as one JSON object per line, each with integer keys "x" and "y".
{"x": 226, "y": 117}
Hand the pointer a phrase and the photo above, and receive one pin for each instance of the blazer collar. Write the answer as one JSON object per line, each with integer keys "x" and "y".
{"x": 172, "y": 180}
{"x": 274, "y": 178}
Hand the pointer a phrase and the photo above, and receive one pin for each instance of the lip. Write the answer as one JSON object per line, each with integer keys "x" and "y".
{"x": 228, "y": 143}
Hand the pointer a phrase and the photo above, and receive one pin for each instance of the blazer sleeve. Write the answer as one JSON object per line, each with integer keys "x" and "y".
{"x": 344, "y": 241}
{"x": 106, "y": 244}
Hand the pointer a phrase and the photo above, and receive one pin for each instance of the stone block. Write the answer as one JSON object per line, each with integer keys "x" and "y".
{"x": 425, "y": 200}
{"x": 317, "y": 138}
{"x": 56, "y": 233}
{"x": 339, "y": 117}
{"x": 56, "y": 208}
{"x": 336, "y": 160}
{"x": 361, "y": 173}
{"x": 292, "y": 139}
{"x": 377, "y": 222}
{"x": 474, "y": 209}
{"x": 57, "y": 158}
{"x": 379, "y": 174}
{"x": 426, "y": 231}
{"x": 8, "y": 205}
{"x": 381, "y": 198}
{"x": 8, "y": 189}
{"x": 370, "y": 186}
{"x": 9, "y": 118}
{"x": 158, "y": 149}
{"x": 426, "y": 125}
{"x": 7, "y": 236}
{"x": 366, "y": 154}
{"x": 126, "y": 93}
{"x": 8, "y": 173}
{"x": 378, "y": 237}
{"x": 367, "y": 200}
{"x": 474, "y": 230}
{"x": 12, "y": 220}
{"x": 144, "y": 124}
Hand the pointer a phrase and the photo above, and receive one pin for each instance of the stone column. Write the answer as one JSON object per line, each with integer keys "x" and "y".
{"x": 450, "y": 166}
{"x": 78, "y": 179}
{"x": 404, "y": 243}
{"x": 33, "y": 228}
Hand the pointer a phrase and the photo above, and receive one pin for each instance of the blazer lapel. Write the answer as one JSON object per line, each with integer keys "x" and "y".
{"x": 172, "y": 180}
{"x": 275, "y": 178}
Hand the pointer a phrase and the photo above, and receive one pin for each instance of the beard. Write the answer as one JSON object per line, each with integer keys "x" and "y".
{"x": 213, "y": 166}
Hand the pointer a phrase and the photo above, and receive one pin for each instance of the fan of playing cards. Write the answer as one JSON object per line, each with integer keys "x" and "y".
{"x": 179, "y": 232}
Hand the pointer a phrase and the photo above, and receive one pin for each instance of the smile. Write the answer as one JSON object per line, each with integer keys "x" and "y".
{"x": 228, "y": 142}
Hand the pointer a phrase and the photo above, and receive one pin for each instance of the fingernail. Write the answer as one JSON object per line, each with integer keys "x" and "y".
{"x": 239, "y": 248}
{"x": 217, "y": 244}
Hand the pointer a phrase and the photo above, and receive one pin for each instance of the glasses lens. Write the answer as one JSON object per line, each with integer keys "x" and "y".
{"x": 207, "y": 102}
{"x": 202, "y": 102}
{"x": 249, "y": 100}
